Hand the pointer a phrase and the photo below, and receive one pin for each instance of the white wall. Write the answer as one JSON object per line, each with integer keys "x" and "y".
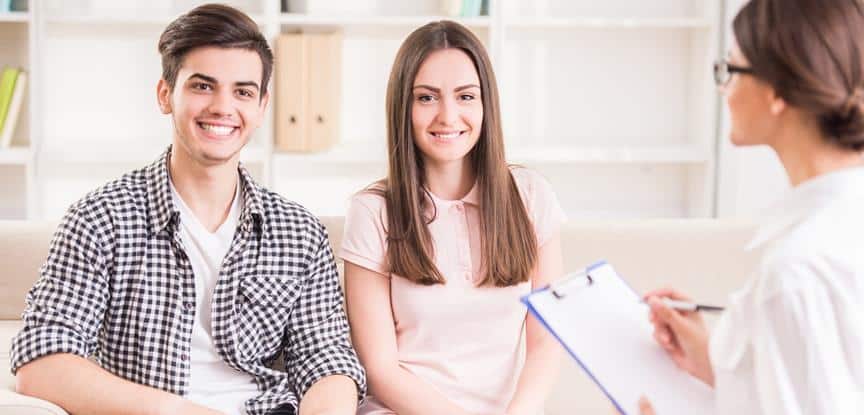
{"x": 749, "y": 178}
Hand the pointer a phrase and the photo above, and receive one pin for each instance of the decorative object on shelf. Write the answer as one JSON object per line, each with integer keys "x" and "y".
{"x": 307, "y": 88}
{"x": 10, "y": 103}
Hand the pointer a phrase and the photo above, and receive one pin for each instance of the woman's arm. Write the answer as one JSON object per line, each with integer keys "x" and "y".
{"x": 543, "y": 354}
{"x": 374, "y": 335}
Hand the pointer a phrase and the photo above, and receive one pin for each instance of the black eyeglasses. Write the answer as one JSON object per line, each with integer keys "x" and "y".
{"x": 723, "y": 71}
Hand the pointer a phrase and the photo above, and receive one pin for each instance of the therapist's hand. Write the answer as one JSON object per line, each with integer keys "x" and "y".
{"x": 645, "y": 407}
{"x": 682, "y": 334}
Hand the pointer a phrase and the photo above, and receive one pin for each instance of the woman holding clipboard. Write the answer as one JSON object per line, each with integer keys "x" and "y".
{"x": 792, "y": 340}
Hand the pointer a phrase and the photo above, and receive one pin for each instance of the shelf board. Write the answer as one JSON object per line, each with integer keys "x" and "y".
{"x": 344, "y": 153}
{"x": 611, "y": 23}
{"x": 15, "y": 17}
{"x": 296, "y": 19}
{"x": 681, "y": 154}
{"x": 104, "y": 153}
{"x": 15, "y": 156}
{"x": 131, "y": 19}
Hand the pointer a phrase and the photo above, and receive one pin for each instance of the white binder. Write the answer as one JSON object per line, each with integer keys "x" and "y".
{"x": 603, "y": 324}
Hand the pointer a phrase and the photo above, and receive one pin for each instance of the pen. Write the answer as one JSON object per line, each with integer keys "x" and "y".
{"x": 688, "y": 306}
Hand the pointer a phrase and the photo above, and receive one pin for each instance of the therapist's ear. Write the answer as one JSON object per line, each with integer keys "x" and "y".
{"x": 777, "y": 104}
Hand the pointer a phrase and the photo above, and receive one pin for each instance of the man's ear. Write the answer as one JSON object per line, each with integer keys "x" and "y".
{"x": 163, "y": 96}
{"x": 265, "y": 100}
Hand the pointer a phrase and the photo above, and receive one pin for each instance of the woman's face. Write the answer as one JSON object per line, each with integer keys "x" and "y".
{"x": 752, "y": 105}
{"x": 447, "y": 107}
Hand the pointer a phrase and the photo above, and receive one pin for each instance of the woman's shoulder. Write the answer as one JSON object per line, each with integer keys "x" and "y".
{"x": 531, "y": 183}
{"x": 371, "y": 198}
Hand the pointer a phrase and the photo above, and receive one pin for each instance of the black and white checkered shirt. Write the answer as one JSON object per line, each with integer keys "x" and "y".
{"x": 118, "y": 285}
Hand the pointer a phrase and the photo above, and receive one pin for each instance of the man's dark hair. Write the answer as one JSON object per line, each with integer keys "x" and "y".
{"x": 212, "y": 25}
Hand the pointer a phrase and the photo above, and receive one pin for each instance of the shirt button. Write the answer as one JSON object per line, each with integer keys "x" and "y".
{"x": 188, "y": 305}
{"x": 459, "y": 207}
{"x": 467, "y": 276}
{"x": 184, "y": 357}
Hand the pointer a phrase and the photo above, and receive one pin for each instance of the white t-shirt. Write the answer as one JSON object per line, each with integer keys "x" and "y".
{"x": 212, "y": 383}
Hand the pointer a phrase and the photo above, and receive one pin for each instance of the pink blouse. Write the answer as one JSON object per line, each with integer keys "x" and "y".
{"x": 466, "y": 341}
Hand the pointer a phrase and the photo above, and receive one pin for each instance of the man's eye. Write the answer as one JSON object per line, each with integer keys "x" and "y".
{"x": 202, "y": 86}
{"x": 246, "y": 93}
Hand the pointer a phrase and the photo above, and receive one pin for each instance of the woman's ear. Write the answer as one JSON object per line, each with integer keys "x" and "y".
{"x": 163, "y": 96}
{"x": 776, "y": 103}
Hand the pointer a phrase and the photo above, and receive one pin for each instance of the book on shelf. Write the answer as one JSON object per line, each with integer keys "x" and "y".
{"x": 18, "y": 6}
{"x": 7, "y": 87}
{"x": 14, "y": 109}
{"x": 463, "y": 8}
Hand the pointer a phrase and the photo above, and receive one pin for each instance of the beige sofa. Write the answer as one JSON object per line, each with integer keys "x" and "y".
{"x": 705, "y": 258}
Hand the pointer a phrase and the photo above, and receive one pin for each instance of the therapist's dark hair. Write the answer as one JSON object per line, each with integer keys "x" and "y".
{"x": 508, "y": 244}
{"x": 812, "y": 53}
{"x": 212, "y": 25}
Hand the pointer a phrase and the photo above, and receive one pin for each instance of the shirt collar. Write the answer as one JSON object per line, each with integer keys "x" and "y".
{"x": 163, "y": 212}
{"x": 472, "y": 198}
{"x": 806, "y": 199}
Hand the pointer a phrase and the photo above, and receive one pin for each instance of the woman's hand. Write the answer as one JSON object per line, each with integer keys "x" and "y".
{"x": 682, "y": 334}
{"x": 645, "y": 407}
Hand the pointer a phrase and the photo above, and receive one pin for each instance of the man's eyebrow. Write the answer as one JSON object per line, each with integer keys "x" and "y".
{"x": 213, "y": 80}
{"x": 248, "y": 83}
{"x": 203, "y": 77}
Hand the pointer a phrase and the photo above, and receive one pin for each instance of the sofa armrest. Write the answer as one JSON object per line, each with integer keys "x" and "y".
{"x": 12, "y": 403}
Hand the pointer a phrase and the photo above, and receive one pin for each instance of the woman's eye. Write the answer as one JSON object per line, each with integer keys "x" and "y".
{"x": 425, "y": 98}
{"x": 467, "y": 97}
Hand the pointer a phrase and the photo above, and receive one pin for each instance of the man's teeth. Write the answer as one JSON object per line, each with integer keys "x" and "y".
{"x": 448, "y": 135}
{"x": 217, "y": 129}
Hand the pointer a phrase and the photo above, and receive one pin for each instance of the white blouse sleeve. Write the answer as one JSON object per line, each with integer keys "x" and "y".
{"x": 801, "y": 361}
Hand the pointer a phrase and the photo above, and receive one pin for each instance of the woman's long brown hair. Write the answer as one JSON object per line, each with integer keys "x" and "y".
{"x": 508, "y": 242}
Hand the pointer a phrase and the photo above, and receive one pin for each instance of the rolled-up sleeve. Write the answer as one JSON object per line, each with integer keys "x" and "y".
{"x": 65, "y": 308}
{"x": 318, "y": 343}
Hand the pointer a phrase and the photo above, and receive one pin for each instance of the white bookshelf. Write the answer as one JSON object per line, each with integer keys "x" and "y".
{"x": 612, "y": 101}
{"x": 17, "y": 163}
{"x": 14, "y": 17}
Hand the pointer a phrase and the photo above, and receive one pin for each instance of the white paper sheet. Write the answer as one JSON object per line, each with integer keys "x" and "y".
{"x": 605, "y": 327}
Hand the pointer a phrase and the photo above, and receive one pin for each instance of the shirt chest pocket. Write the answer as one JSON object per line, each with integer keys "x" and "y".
{"x": 266, "y": 302}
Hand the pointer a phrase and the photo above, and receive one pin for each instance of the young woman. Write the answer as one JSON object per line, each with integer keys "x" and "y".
{"x": 792, "y": 340}
{"x": 439, "y": 252}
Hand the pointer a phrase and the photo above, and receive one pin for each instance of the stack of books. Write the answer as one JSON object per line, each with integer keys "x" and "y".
{"x": 13, "y": 84}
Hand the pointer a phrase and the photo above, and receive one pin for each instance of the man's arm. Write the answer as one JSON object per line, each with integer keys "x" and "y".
{"x": 81, "y": 387}
{"x": 63, "y": 316}
{"x": 318, "y": 344}
{"x": 318, "y": 399}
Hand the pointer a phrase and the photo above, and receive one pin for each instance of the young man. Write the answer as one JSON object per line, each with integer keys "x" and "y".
{"x": 186, "y": 280}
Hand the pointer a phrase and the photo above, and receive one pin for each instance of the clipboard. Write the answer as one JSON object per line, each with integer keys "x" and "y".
{"x": 603, "y": 324}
